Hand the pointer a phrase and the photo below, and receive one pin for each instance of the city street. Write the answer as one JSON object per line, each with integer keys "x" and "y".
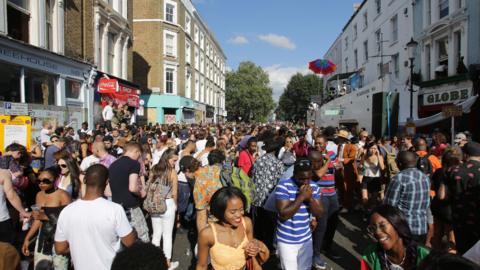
{"x": 350, "y": 241}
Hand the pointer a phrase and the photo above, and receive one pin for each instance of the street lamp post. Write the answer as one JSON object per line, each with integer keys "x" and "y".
{"x": 411, "y": 48}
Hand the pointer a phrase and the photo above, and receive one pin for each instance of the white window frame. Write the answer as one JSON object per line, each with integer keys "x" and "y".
{"x": 202, "y": 89}
{"x": 197, "y": 58}
{"x": 188, "y": 50}
{"x": 378, "y": 6}
{"x": 188, "y": 83}
{"x": 365, "y": 20}
{"x": 173, "y": 67}
{"x": 396, "y": 65}
{"x": 188, "y": 22}
{"x": 174, "y": 48}
{"x": 440, "y": 9}
{"x": 378, "y": 39}
{"x": 174, "y": 15}
{"x": 196, "y": 33}
{"x": 394, "y": 28}
{"x": 365, "y": 50}
{"x": 428, "y": 61}
{"x": 202, "y": 41}
{"x": 197, "y": 86}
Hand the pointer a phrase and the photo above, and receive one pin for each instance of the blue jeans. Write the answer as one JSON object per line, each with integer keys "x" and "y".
{"x": 326, "y": 226}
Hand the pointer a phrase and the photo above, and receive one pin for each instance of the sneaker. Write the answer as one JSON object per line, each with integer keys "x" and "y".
{"x": 333, "y": 255}
{"x": 319, "y": 265}
{"x": 173, "y": 265}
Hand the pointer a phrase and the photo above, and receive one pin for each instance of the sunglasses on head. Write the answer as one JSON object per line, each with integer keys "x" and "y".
{"x": 45, "y": 181}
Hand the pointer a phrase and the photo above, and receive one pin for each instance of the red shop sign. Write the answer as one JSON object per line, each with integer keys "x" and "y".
{"x": 107, "y": 86}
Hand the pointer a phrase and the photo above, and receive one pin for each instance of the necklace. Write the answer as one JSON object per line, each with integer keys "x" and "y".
{"x": 393, "y": 265}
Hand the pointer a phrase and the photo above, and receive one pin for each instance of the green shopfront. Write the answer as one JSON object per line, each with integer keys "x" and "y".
{"x": 168, "y": 109}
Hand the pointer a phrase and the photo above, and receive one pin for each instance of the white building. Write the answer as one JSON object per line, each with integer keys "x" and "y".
{"x": 36, "y": 78}
{"x": 372, "y": 68}
{"x": 448, "y": 37}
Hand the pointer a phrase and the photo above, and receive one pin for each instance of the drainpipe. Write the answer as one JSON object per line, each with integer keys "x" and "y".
{"x": 388, "y": 112}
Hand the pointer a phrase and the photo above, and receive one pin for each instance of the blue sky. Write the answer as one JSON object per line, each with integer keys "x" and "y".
{"x": 281, "y": 36}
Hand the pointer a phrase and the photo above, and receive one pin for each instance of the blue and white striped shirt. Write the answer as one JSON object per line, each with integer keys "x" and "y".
{"x": 295, "y": 230}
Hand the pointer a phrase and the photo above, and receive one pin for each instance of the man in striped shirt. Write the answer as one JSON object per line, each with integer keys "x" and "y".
{"x": 324, "y": 174}
{"x": 297, "y": 199}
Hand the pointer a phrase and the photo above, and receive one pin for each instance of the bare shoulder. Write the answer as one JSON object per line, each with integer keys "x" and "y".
{"x": 5, "y": 175}
{"x": 206, "y": 234}
{"x": 64, "y": 196}
{"x": 248, "y": 223}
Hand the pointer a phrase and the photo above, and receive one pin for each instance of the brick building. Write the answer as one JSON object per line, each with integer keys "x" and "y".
{"x": 178, "y": 63}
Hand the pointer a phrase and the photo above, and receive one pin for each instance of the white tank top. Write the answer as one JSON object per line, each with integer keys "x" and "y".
{"x": 4, "y": 215}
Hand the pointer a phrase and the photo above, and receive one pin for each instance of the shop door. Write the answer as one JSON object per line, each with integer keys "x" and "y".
{"x": 151, "y": 115}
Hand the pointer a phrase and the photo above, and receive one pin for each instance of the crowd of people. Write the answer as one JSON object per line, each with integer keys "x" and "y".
{"x": 115, "y": 197}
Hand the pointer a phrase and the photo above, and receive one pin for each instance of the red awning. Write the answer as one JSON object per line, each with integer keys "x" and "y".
{"x": 120, "y": 93}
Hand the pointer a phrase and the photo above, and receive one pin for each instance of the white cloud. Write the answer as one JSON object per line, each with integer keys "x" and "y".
{"x": 278, "y": 41}
{"x": 239, "y": 40}
{"x": 280, "y": 75}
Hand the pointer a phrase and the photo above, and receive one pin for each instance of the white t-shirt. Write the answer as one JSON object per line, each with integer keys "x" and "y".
{"x": 88, "y": 161}
{"x": 157, "y": 154}
{"x": 107, "y": 113}
{"x": 203, "y": 159}
{"x": 473, "y": 254}
{"x": 44, "y": 135}
{"x": 92, "y": 230}
{"x": 201, "y": 145}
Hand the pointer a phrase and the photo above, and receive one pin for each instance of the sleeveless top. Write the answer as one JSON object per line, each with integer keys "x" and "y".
{"x": 4, "y": 215}
{"x": 371, "y": 169}
{"x": 225, "y": 257}
{"x": 46, "y": 233}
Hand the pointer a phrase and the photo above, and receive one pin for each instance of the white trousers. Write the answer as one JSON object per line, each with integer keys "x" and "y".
{"x": 295, "y": 256}
{"x": 163, "y": 228}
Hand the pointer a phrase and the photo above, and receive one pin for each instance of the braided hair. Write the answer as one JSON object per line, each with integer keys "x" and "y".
{"x": 398, "y": 221}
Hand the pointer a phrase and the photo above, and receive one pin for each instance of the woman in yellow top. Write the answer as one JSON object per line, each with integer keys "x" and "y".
{"x": 229, "y": 241}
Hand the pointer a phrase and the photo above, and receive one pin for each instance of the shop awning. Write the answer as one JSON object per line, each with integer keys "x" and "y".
{"x": 121, "y": 91}
{"x": 466, "y": 105}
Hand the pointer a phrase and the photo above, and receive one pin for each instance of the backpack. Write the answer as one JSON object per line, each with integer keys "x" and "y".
{"x": 391, "y": 162}
{"x": 424, "y": 165}
{"x": 231, "y": 176}
{"x": 155, "y": 202}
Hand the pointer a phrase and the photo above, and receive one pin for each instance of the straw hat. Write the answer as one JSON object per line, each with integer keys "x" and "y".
{"x": 343, "y": 134}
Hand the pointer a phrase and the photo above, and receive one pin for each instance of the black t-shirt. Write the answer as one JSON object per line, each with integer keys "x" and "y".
{"x": 119, "y": 173}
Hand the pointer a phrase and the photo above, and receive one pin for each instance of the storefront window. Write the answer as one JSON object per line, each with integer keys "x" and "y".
{"x": 9, "y": 83}
{"x": 72, "y": 89}
{"x": 39, "y": 88}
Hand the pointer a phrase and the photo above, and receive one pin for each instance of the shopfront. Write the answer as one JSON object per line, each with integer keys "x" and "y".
{"x": 121, "y": 92}
{"x": 435, "y": 95}
{"x": 45, "y": 85}
{"x": 168, "y": 109}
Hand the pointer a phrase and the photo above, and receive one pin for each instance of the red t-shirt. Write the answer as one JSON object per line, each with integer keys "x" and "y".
{"x": 245, "y": 162}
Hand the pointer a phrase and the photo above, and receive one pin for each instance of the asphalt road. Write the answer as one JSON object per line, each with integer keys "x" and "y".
{"x": 350, "y": 242}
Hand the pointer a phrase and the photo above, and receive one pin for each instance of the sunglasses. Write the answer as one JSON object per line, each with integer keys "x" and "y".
{"x": 45, "y": 181}
{"x": 304, "y": 163}
{"x": 372, "y": 229}
{"x": 63, "y": 165}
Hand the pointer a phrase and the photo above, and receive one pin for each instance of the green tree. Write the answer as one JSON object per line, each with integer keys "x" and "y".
{"x": 294, "y": 101}
{"x": 247, "y": 94}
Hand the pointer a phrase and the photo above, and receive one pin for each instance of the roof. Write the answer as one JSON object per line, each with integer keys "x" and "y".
{"x": 354, "y": 14}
